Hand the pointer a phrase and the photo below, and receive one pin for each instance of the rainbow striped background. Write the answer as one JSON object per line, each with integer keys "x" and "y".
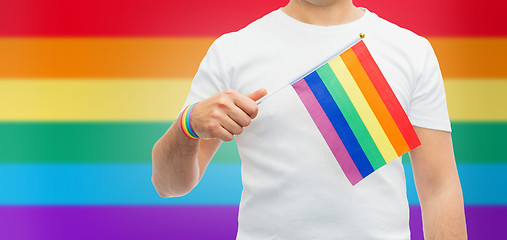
{"x": 87, "y": 87}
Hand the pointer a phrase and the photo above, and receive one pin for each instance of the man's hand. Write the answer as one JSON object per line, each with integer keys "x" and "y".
{"x": 179, "y": 162}
{"x": 225, "y": 114}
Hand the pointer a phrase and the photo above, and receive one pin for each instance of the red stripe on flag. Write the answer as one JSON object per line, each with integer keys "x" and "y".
{"x": 213, "y": 18}
{"x": 387, "y": 94}
{"x": 377, "y": 106}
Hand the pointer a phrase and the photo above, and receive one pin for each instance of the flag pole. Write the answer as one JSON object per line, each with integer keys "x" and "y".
{"x": 360, "y": 37}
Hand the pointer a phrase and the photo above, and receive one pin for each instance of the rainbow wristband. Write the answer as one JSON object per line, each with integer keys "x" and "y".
{"x": 186, "y": 128}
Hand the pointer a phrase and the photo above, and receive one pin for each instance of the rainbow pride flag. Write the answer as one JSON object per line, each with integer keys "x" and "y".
{"x": 356, "y": 112}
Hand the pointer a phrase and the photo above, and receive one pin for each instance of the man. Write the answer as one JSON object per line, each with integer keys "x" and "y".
{"x": 293, "y": 187}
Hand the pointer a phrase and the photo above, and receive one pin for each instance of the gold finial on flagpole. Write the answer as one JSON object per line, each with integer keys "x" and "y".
{"x": 361, "y": 35}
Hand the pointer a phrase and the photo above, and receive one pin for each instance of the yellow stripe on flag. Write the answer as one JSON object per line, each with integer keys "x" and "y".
{"x": 363, "y": 109}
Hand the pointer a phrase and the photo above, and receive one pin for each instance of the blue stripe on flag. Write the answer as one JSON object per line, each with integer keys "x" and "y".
{"x": 339, "y": 122}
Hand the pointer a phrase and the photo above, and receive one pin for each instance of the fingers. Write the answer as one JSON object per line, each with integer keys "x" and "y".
{"x": 247, "y": 103}
{"x": 239, "y": 117}
{"x": 223, "y": 128}
{"x": 225, "y": 114}
{"x": 215, "y": 130}
{"x": 257, "y": 94}
{"x": 231, "y": 126}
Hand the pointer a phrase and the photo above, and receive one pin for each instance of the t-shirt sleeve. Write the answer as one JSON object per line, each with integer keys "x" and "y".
{"x": 211, "y": 76}
{"x": 428, "y": 106}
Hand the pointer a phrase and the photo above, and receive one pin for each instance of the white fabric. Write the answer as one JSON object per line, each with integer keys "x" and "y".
{"x": 293, "y": 186}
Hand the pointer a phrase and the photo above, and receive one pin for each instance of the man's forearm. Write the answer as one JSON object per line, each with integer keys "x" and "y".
{"x": 438, "y": 186}
{"x": 175, "y": 164}
{"x": 443, "y": 214}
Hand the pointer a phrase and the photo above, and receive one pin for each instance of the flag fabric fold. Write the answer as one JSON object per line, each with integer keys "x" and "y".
{"x": 356, "y": 112}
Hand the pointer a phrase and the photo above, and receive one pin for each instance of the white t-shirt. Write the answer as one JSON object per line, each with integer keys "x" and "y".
{"x": 293, "y": 187}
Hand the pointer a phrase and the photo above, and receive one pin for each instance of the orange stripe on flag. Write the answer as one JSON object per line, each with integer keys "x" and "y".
{"x": 375, "y": 101}
{"x": 387, "y": 94}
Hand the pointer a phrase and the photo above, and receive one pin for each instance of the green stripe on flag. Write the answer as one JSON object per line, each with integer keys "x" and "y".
{"x": 353, "y": 119}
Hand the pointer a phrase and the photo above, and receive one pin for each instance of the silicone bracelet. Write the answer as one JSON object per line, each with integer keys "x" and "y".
{"x": 186, "y": 128}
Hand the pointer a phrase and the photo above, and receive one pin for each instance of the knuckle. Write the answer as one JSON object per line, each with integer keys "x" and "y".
{"x": 213, "y": 126}
{"x": 228, "y": 138}
{"x": 222, "y": 101}
{"x": 253, "y": 112}
{"x": 247, "y": 122}
{"x": 255, "y": 109}
{"x": 215, "y": 114}
{"x": 229, "y": 92}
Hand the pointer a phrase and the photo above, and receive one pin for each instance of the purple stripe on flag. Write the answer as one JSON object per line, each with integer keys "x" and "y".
{"x": 328, "y": 132}
{"x": 118, "y": 222}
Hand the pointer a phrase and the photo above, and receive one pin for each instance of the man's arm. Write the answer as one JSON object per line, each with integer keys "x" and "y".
{"x": 438, "y": 186}
{"x": 180, "y": 162}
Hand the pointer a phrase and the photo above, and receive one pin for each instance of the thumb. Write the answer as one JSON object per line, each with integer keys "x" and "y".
{"x": 258, "y": 94}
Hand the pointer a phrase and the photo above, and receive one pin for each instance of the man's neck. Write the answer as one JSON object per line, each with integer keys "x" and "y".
{"x": 323, "y": 12}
